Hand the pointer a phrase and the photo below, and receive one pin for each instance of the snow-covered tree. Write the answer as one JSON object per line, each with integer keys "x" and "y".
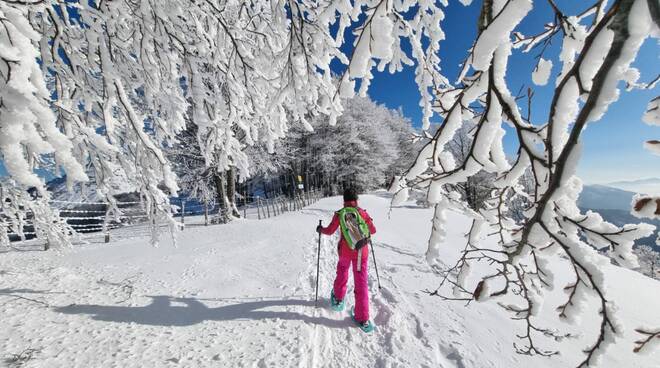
{"x": 367, "y": 146}
{"x": 27, "y": 129}
{"x": 598, "y": 47}
{"x": 649, "y": 261}
{"x": 201, "y": 179}
{"x": 195, "y": 178}
{"x": 115, "y": 71}
{"x": 364, "y": 147}
{"x": 477, "y": 188}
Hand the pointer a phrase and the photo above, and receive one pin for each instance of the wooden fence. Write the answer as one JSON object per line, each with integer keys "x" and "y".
{"x": 92, "y": 220}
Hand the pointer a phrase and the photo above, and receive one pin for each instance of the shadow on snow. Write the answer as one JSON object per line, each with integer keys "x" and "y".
{"x": 190, "y": 311}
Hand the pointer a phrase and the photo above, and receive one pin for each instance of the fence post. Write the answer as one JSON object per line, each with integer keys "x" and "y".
{"x": 183, "y": 210}
{"x": 206, "y": 213}
{"x": 267, "y": 207}
{"x": 259, "y": 208}
{"x": 245, "y": 207}
{"x": 105, "y": 224}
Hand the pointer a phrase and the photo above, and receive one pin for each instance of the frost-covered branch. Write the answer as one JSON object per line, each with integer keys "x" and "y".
{"x": 647, "y": 340}
{"x": 599, "y": 44}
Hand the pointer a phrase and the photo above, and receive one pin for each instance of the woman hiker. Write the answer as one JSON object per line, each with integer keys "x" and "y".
{"x": 356, "y": 228}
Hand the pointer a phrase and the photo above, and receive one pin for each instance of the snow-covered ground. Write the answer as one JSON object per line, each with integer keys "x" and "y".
{"x": 242, "y": 295}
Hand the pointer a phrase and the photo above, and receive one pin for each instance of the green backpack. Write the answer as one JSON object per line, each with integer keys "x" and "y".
{"x": 353, "y": 227}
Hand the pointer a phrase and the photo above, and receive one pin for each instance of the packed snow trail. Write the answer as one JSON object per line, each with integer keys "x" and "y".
{"x": 350, "y": 346}
{"x": 242, "y": 295}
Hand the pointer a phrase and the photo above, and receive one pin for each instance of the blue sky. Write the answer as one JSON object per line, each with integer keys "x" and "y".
{"x": 612, "y": 147}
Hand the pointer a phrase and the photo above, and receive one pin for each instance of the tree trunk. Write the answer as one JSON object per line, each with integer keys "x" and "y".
{"x": 231, "y": 192}
{"x": 294, "y": 185}
{"x": 221, "y": 198}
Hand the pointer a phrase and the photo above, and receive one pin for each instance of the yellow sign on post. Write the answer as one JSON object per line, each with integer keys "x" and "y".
{"x": 299, "y": 179}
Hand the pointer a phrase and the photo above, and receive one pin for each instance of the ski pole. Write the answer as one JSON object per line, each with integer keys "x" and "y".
{"x": 318, "y": 260}
{"x": 375, "y": 265}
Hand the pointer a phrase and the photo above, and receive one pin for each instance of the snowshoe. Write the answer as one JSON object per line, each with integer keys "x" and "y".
{"x": 336, "y": 305}
{"x": 364, "y": 326}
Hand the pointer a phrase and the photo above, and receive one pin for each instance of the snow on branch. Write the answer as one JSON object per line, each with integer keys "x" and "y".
{"x": 104, "y": 88}
{"x": 646, "y": 206}
{"x": 648, "y": 340}
{"x": 599, "y": 44}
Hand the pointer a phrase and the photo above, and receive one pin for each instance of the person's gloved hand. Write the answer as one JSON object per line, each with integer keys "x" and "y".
{"x": 318, "y": 229}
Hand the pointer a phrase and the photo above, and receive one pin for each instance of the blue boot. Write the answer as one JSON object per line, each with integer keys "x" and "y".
{"x": 336, "y": 305}
{"x": 366, "y": 326}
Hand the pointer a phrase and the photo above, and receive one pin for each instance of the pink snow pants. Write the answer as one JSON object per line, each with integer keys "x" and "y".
{"x": 348, "y": 259}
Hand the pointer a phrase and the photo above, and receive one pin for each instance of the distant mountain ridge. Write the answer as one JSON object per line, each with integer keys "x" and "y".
{"x": 645, "y": 186}
{"x": 639, "y": 181}
{"x": 614, "y": 205}
{"x": 605, "y": 197}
